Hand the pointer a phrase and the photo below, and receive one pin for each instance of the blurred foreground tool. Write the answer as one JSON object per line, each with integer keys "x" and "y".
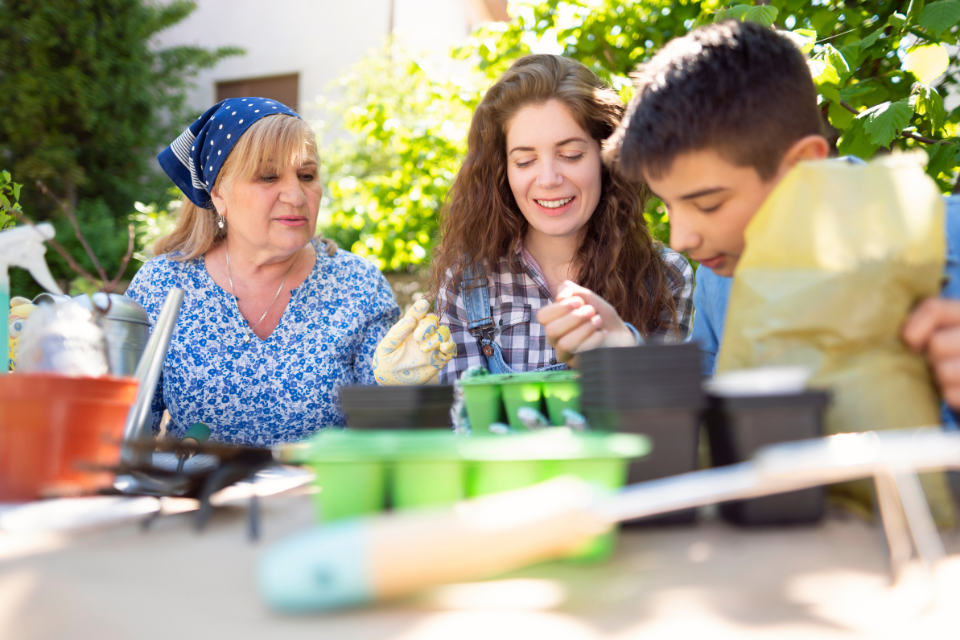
{"x": 357, "y": 561}
{"x": 197, "y": 434}
{"x": 139, "y": 421}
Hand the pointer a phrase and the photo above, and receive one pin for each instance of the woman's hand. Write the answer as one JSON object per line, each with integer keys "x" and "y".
{"x": 414, "y": 349}
{"x": 581, "y": 320}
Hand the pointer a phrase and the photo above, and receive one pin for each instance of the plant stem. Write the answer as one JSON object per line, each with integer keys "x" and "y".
{"x": 68, "y": 211}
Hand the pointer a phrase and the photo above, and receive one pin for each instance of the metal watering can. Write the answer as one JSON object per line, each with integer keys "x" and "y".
{"x": 126, "y": 327}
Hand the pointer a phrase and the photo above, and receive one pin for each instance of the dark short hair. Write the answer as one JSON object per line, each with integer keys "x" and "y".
{"x": 736, "y": 87}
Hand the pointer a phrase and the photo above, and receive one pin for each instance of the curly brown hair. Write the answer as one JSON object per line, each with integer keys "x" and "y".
{"x": 618, "y": 258}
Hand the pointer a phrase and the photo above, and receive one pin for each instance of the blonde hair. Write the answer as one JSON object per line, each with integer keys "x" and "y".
{"x": 261, "y": 149}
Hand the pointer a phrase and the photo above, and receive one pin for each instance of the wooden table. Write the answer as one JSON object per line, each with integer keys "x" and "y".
{"x": 706, "y": 581}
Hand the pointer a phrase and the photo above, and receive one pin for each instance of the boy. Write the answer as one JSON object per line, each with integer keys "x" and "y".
{"x": 720, "y": 116}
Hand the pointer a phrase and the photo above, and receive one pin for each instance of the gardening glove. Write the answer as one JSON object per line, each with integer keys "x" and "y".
{"x": 414, "y": 350}
{"x": 20, "y": 310}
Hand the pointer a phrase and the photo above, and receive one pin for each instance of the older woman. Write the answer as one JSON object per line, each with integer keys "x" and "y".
{"x": 274, "y": 322}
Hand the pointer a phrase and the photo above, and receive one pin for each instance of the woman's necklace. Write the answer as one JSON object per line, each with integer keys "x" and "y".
{"x": 250, "y": 330}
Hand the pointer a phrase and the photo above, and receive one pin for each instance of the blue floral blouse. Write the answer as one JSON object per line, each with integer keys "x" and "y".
{"x": 269, "y": 391}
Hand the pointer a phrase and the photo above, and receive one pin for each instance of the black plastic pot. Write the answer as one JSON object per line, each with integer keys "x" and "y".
{"x": 651, "y": 390}
{"x": 401, "y": 407}
{"x": 738, "y": 426}
{"x": 675, "y": 433}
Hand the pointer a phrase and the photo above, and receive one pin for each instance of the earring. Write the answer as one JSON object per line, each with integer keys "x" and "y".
{"x": 220, "y": 220}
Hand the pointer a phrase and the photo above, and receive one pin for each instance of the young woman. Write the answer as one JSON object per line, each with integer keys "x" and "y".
{"x": 534, "y": 221}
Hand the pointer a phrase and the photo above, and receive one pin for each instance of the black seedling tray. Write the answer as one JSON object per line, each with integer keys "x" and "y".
{"x": 398, "y": 397}
{"x": 660, "y": 355}
{"x": 675, "y": 433}
{"x": 738, "y": 426}
{"x": 437, "y": 417}
{"x": 632, "y": 394}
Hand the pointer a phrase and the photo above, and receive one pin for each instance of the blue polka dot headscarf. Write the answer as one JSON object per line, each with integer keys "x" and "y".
{"x": 193, "y": 161}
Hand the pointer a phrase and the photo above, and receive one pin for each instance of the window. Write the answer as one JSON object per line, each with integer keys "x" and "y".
{"x": 283, "y": 89}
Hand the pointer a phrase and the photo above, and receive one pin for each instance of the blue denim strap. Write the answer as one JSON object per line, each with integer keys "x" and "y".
{"x": 476, "y": 300}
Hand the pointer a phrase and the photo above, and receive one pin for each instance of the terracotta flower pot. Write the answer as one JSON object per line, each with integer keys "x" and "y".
{"x": 53, "y": 428}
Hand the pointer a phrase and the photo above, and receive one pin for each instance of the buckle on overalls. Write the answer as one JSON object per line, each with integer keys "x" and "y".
{"x": 485, "y": 330}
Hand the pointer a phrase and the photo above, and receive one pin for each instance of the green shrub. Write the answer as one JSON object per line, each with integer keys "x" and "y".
{"x": 386, "y": 181}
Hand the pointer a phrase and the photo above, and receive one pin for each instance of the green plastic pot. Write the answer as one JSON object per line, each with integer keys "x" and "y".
{"x": 560, "y": 395}
{"x": 490, "y": 476}
{"x": 521, "y": 394}
{"x": 484, "y": 406}
{"x": 427, "y": 470}
{"x": 350, "y": 472}
{"x": 607, "y": 474}
{"x": 425, "y": 483}
{"x": 348, "y": 489}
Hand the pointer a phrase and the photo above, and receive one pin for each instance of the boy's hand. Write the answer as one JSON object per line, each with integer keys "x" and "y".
{"x": 414, "y": 349}
{"x": 934, "y": 330}
{"x": 581, "y": 320}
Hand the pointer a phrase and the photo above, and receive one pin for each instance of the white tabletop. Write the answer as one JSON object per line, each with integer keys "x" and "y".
{"x": 712, "y": 579}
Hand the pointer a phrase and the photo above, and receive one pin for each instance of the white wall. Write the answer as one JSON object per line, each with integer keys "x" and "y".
{"x": 318, "y": 39}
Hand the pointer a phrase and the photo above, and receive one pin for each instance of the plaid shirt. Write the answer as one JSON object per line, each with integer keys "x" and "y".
{"x": 515, "y": 300}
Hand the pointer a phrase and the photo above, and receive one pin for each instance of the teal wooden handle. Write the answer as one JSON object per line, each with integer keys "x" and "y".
{"x": 318, "y": 569}
{"x": 198, "y": 432}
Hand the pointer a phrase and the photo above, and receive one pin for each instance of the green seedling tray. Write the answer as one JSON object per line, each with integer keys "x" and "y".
{"x": 497, "y": 398}
{"x": 359, "y": 472}
{"x": 484, "y": 406}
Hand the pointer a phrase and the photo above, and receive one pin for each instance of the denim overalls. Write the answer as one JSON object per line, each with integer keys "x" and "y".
{"x": 480, "y": 324}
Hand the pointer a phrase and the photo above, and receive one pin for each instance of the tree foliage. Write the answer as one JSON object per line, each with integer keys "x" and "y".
{"x": 385, "y": 184}
{"x": 10, "y": 210}
{"x": 87, "y": 100}
{"x": 882, "y": 71}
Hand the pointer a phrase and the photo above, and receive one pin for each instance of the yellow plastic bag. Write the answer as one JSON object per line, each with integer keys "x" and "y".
{"x": 835, "y": 260}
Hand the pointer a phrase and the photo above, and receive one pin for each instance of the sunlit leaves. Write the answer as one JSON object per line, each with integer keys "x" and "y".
{"x": 763, "y": 14}
{"x": 803, "y": 38}
{"x": 387, "y": 183}
{"x": 10, "y": 209}
{"x": 855, "y": 141}
{"x": 940, "y": 16}
{"x": 837, "y": 61}
{"x": 871, "y": 39}
{"x": 943, "y": 160}
{"x": 384, "y": 194}
{"x": 823, "y": 72}
{"x": 830, "y": 71}
{"x": 896, "y": 20}
{"x": 840, "y": 117}
{"x": 927, "y": 61}
{"x": 927, "y": 102}
{"x": 885, "y": 121}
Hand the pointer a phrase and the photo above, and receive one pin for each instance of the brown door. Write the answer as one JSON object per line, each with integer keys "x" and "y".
{"x": 283, "y": 89}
